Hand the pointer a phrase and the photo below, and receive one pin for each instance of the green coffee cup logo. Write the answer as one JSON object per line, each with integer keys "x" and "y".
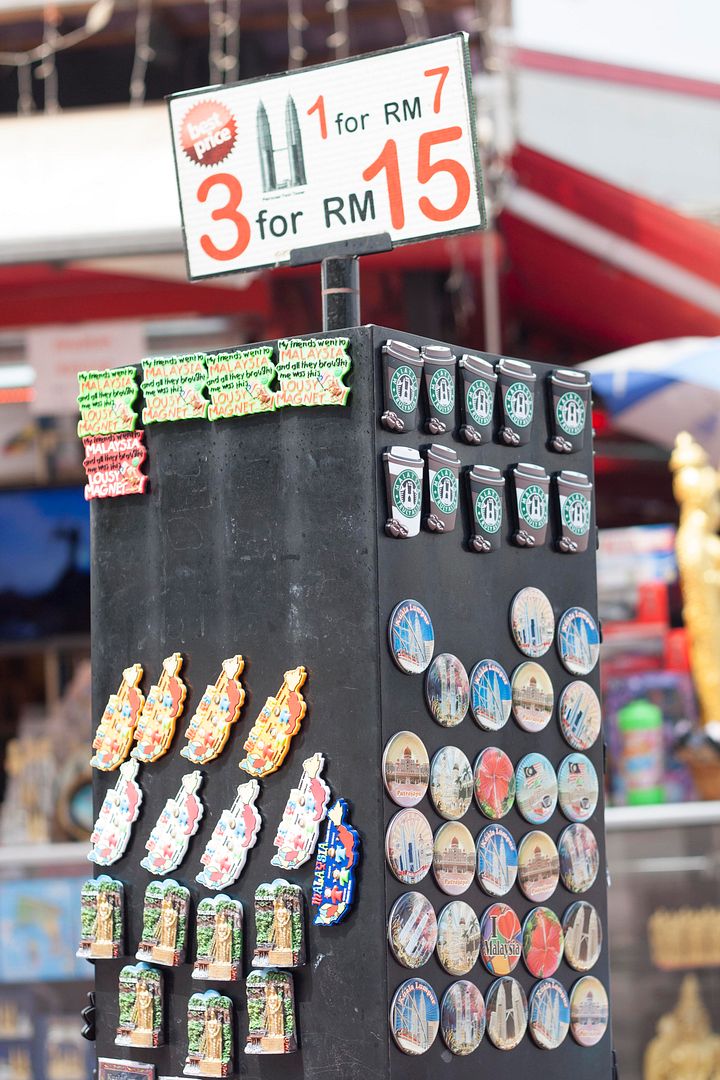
{"x": 479, "y": 400}
{"x": 404, "y": 388}
{"x": 444, "y": 491}
{"x": 442, "y": 391}
{"x": 534, "y": 506}
{"x": 576, "y": 513}
{"x": 488, "y": 510}
{"x": 407, "y": 493}
{"x": 570, "y": 413}
{"x": 519, "y": 404}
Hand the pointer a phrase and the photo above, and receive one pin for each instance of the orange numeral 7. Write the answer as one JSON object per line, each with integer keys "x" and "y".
{"x": 443, "y": 74}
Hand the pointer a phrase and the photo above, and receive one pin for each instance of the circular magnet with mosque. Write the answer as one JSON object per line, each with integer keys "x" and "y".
{"x": 579, "y": 858}
{"x": 497, "y": 860}
{"x": 538, "y": 866}
{"x": 411, "y": 637}
{"x": 494, "y": 783}
{"x": 532, "y": 622}
{"x": 536, "y": 788}
{"x": 543, "y": 942}
{"x": 583, "y": 936}
{"x": 578, "y": 641}
{"x": 579, "y": 715}
{"x": 406, "y": 768}
{"x": 462, "y": 1017}
{"x": 506, "y": 1011}
{"x": 447, "y": 690}
{"x": 578, "y": 787}
{"x": 500, "y": 939}
{"x": 490, "y": 695}
{"x": 549, "y": 1014}
{"x": 414, "y": 1016}
{"x": 458, "y": 939}
{"x": 454, "y": 858}
{"x": 451, "y": 783}
{"x": 412, "y": 929}
{"x": 589, "y": 1011}
{"x": 533, "y": 696}
{"x": 409, "y": 846}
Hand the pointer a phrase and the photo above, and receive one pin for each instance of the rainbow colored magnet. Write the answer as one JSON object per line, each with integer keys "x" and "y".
{"x": 269, "y": 740}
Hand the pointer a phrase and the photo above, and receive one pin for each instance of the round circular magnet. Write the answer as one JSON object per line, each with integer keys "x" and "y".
{"x": 507, "y": 1013}
{"x": 454, "y": 858}
{"x": 490, "y": 695}
{"x": 462, "y": 1017}
{"x": 406, "y": 768}
{"x": 411, "y": 637}
{"x": 409, "y": 846}
{"x": 536, "y": 788}
{"x": 412, "y": 929}
{"x": 447, "y": 690}
{"x": 549, "y": 1014}
{"x": 451, "y": 783}
{"x": 583, "y": 936}
{"x": 578, "y": 787}
{"x": 458, "y": 942}
{"x": 497, "y": 860}
{"x": 579, "y": 715}
{"x": 589, "y": 1011}
{"x": 532, "y": 696}
{"x": 414, "y": 1016}
{"x": 543, "y": 942}
{"x": 578, "y": 641}
{"x": 494, "y": 783}
{"x": 532, "y": 622}
{"x": 500, "y": 939}
{"x": 538, "y": 866}
{"x": 579, "y": 858}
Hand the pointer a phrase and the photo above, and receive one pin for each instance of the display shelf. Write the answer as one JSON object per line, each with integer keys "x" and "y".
{"x": 661, "y": 816}
{"x": 38, "y": 856}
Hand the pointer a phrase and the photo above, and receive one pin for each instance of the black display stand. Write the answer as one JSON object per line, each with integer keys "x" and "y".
{"x": 264, "y": 536}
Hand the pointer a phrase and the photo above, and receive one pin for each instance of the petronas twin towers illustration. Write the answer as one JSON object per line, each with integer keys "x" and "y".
{"x": 281, "y": 166}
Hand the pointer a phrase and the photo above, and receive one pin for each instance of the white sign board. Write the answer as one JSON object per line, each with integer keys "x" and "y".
{"x": 383, "y": 143}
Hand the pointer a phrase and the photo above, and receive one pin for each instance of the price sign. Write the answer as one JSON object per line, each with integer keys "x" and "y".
{"x": 383, "y": 143}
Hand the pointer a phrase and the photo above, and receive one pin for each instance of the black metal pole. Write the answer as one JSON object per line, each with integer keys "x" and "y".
{"x": 340, "y": 278}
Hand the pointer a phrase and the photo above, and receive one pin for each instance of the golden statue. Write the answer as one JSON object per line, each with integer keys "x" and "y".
{"x": 143, "y": 1011}
{"x": 168, "y": 924}
{"x": 221, "y": 946}
{"x": 685, "y": 1047}
{"x": 212, "y": 1039}
{"x": 696, "y": 485}
{"x": 104, "y": 920}
{"x": 282, "y": 925}
{"x": 274, "y": 1018}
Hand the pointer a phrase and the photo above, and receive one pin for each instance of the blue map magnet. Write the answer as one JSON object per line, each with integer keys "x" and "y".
{"x": 338, "y": 855}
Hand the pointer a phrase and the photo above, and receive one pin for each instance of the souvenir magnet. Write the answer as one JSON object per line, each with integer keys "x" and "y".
{"x": 579, "y": 714}
{"x": 163, "y": 705}
{"x": 403, "y": 484}
{"x": 517, "y": 398}
{"x": 102, "y": 903}
{"x": 411, "y": 637}
{"x": 304, "y": 812}
{"x": 589, "y": 1011}
{"x": 447, "y": 690}
{"x": 105, "y": 400}
{"x": 140, "y": 1021}
{"x": 210, "y": 1035}
{"x": 118, "y": 813}
{"x": 536, "y": 789}
{"x": 238, "y": 382}
{"x": 532, "y": 622}
{"x": 497, "y": 860}
{"x": 451, "y": 783}
{"x": 490, "y": 695}
{"x": 402, "y": 372}
{"x": 310, "y": 371}
{"x": 119, "y": 1069}
{"x": 115, "y": 731}
{"x": 279, "y": 925}
{"x": 443, "y": 470}
{"x": 414, "y": 1016}
{"x": 333, "y": 887}
{"x": 219, "y": 708}
{"x": 454, "y": 858}
{"x": 409, "y": 846}
{"x": 532, "y": 696}
{"x": 280, "y": 717}
{"x": 574, "y": 511}
{"x": 271, "y": 1013}
{"x": 219, "y": 936}
{"x": 173, "y": 388}
{"x": 406, "y": 768}
{"x": 569, "y": 391}
{"x": 549, "y": 1014}
{"x": 583, "y": 936}
{"x": 458, "y": 938}
{"x": 180, "y": 819}
{"x": 477, "y": 400}
{"x": 486, "y": 486}
{"x": 113, "y": 463}
{"x": 462, "y": 1018}
{"x": 500, "y": 939}
{"x": 543, "y": 942}
{"x": 494, "y": 783}
{"x": 412, "y": 930}
{"x": 579, "y": 858}
{"x": 578, "y": 640}
{"x": 538, "y": 866}
{"x": 165, "y": 917}
{"x": 439, "y": 377}
{"x": 507, "y": 1013}
{"x": 578, "y": 787}
{"x": 227, "y": 849}
{"x": 531, "y": 485}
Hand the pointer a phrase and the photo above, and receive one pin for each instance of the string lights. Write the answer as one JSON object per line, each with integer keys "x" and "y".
{"x": 224, "y": 36}
{"x": 339, "y": 40}
{"x": 296, "y": 24}
{"x": 143, "y": 52}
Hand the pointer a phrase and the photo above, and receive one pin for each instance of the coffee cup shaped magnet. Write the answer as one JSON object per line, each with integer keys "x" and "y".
{"x": 497, "y": 860}
{"x": 402, "y": 375}
{"x": 573, "y": 493}
{"x": 536, "y": 789}
{"x": 532, "y": 622}
{"x": 543, "y": 942}
{"x": 549, "y": 1014}
{"x": 530, "y": 485}
{"x": 579, "y": 715}
{"x": 409, "y": 846}
{"x": 447, "y": 690}
{"x": 516, "y": 381}
{"x": 500, "y": 939}
{"x": 579, "y": 858}
{"x": 406, "y": 768}
{"x": 439, "y": 375}
{"x": 462, "y": 1017}
{"x": 454, "y": 858}
{"x": 490, "y": 695}
{"x": 578, "y": 787}
{"x": 414, "y": 1016}
{"x": 487, "y": 486}
{"x": 569, "y": 392}
{"x": 411, "y": 637}
{"x": 412, "y": 930}
{"x": 451, "y": 783}
{"x": 506, "y": 1012}
{"x": 583, "y": 936}
{"x": 494, "y": 783}
{"x": 443, "y": 488}
{"x": 458, "y": 938}
{"x": 404, "y": 470}
{"x": 477, "y": 400}
{"x": 533, "y": 696}
{"x": 578, "y": 641}
{"x": 589, "y": 1011}
{"x": 538, "y": 866}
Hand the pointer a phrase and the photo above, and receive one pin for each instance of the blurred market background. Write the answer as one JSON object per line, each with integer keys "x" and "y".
{"x": 599, "y": 130}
